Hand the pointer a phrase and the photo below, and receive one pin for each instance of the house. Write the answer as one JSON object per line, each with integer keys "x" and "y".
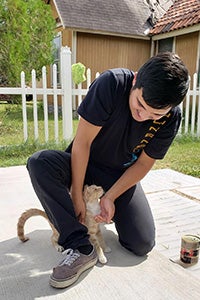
{"x": 118, "y": 33}
{"x": 106, "y": 34}
{"x": 125, "y": 33}
{"x": 178, "y": 30}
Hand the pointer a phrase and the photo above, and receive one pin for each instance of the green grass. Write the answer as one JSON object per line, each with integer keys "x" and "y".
{"x": 183, "y": 155}
{"x": 18, "y": 154}
{"x": 13, "y": 150}
{"x": 11, "y": 125}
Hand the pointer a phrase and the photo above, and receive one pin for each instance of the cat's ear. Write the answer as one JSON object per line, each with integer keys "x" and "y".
{"x": 85, "y": 191}
{"x": 85, "y": 187}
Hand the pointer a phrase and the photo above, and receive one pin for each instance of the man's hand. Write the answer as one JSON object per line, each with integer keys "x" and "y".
{"x": 107, "y": 210}
{"x": 80, "y": 210}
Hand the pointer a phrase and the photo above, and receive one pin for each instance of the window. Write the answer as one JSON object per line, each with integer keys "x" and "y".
{"x": 57, "y": 42}
{"x": 165, "y": 45}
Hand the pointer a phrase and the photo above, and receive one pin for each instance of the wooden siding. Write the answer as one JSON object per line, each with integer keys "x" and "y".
{"x": 67, "y": 38}
{"x": 187, "y": 48}
{"x": 101, "y": 52}
{"x": 54, "y": 10}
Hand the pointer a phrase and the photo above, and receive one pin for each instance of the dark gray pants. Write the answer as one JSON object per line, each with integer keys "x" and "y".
{"x": 50, "y": 173}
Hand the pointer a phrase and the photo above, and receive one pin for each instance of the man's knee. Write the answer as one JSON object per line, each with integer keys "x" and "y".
{"x": 34, "y": 162}
{"x": 139, "y": 248}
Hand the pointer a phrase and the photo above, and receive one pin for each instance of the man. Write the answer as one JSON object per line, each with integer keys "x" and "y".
{"x": 127, "y": 121}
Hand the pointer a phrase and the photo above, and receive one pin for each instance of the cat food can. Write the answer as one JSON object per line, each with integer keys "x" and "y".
{"x": 190, "y": 249}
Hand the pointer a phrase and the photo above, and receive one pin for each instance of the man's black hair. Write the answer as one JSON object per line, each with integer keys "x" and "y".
{"x": 164, "y": 80}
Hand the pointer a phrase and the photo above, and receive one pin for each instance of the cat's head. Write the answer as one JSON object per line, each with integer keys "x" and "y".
{"x": 92, "y": 193}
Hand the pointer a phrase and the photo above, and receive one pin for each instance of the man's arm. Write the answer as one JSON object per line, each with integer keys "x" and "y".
{"x": 86, "y": 132}
{"x": 130, "y": 177}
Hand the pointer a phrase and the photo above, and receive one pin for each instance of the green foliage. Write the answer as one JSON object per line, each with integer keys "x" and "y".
{"x": 26, "y": 34}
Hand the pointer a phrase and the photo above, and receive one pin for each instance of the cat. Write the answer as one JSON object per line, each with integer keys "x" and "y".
{"x": 91, "y": 196}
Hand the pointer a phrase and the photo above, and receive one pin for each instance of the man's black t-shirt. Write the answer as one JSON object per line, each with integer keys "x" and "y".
{"x": 121, "y": 138}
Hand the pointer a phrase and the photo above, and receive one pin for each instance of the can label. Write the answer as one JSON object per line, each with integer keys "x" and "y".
{"x": 190, "y": 249}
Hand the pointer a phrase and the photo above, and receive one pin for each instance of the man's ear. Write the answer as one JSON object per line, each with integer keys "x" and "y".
{"x": 134, "y": 79}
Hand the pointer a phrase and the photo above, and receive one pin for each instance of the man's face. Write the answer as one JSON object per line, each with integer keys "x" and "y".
{"x": 141, "y": 111}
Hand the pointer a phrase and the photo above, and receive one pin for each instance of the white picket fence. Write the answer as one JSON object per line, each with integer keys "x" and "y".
{"x": 190, "y": 108}
{"x": 65, "y": 91}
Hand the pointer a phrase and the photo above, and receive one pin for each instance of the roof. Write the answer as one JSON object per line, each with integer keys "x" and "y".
{"x": 126, "y": 17}
{"x": 182, "y": 14}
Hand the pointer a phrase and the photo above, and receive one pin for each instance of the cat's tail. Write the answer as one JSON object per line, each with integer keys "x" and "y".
{"x": 24, "y": 217}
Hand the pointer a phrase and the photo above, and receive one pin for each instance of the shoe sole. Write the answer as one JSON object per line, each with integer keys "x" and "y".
{"x": 65, "y": 283}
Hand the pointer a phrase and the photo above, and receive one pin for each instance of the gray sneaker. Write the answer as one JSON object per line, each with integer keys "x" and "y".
{"x": 70, "y": 268}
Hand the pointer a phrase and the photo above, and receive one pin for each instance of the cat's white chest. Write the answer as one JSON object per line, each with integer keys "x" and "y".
{"x": 93, "y": 207}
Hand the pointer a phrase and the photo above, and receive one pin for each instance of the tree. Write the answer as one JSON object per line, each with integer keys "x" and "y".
{"x": 27, "y": 30}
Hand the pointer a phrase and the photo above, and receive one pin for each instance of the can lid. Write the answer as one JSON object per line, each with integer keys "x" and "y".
{"x": 191, "y": 238}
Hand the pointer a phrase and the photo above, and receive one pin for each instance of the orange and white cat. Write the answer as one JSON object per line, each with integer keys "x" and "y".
{"x": 91, "y": 196}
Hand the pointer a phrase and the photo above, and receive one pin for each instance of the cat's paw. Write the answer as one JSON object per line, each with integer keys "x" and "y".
{"x": 59, "y": 248}
{"x": 24, "y": 239}
{"x": 103, "y": 260}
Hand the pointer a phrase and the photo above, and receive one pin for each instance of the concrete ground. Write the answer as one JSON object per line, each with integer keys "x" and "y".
{"x": 25, "y": 267}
